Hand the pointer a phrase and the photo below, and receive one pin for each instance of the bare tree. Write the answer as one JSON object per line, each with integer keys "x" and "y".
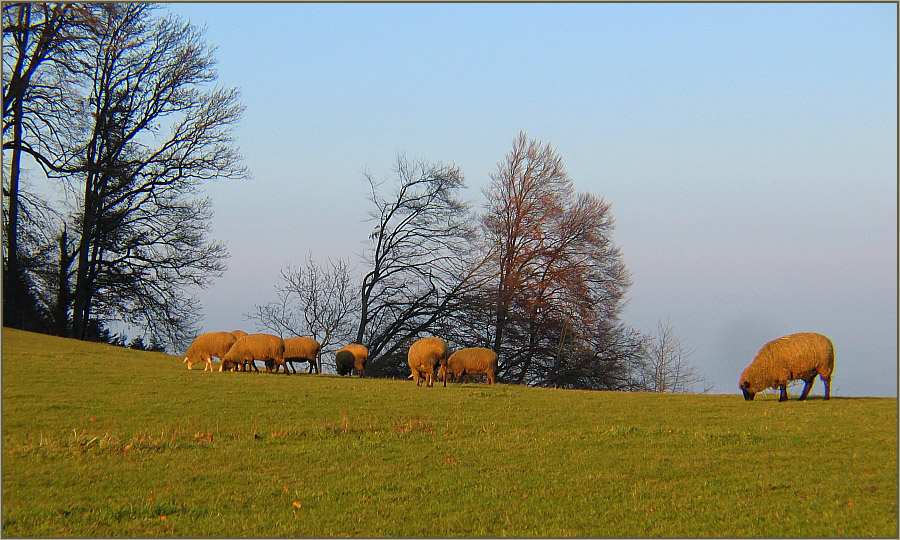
{"x": 141, "y": 231}
{"x": 40, "y": 42}
{"x": 667, "y": 366}
{"x": 420, "y": 263}
{"x": 313, "y": 301}
{"x": 559, "y": 278}
{"x": 522, "y": 199}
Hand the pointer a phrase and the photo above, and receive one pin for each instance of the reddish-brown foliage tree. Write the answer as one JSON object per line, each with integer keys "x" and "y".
{"x": 559, "y": 279}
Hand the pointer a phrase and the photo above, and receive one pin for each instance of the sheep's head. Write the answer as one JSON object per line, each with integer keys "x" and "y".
{"x": 747, "y": 385}
{"x": 228, "y": 365}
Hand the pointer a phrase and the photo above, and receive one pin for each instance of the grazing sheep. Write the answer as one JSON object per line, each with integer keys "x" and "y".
{"x": 423, "y": 355}
{"x": 790, "y": 358}
{"x": 256, "y": 347}
{"x": 302, "y": 349}
{"x": 238, "y": 334}
{"x": 207, "y": 345}
{"x": 471, "y": 361}
{"x": 349, "y": 357}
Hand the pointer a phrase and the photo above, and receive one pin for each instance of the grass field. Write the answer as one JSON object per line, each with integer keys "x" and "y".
{"x": 105, "y": 441}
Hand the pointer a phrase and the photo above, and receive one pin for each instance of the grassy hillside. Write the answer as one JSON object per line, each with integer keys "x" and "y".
{"x": 104, "y": 441}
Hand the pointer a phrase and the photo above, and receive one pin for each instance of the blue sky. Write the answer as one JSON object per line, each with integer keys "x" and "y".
{"x": 749, "y": 150}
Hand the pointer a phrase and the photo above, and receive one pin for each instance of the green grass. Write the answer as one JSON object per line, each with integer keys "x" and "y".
{"x": 104, "y": 441}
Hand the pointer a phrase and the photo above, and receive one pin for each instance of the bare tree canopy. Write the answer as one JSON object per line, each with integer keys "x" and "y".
{"x": 419, "y": 262}
{"x": 133, "y": 132}
{"x": 559, "y": 279}
{"x": 39, "y": 44}
{"x": 667, "y": 366}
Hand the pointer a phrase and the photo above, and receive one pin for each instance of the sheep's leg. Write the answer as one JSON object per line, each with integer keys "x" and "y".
{"x": 783, "y": 396}
{"x": 827, "y": 382}
{"x": 807, "y": 386}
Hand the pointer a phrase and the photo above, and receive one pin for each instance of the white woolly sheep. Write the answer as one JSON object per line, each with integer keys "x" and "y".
{"x": 470, "y": 361}
{"x": 207, "y": 345}
{"x": 302, "y": 349}
{"x": 790, "y": 358}
{"x": 423, "y": 355}
{"x": 349, "y": 357}
{"x": 254, "y": 347}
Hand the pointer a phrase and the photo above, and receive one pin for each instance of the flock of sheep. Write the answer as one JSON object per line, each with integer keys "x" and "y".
{"x": 789, "y": 358}
{"x": 240, "y": 351}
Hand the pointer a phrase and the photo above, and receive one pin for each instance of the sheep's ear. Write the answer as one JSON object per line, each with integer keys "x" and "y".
{"x": 747, "y": 385}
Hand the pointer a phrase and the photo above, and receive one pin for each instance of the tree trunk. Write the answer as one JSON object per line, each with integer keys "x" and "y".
{"x": 63, "y": 294}
{"x": 13, "y": 279}
{"x": 81, "y": 303}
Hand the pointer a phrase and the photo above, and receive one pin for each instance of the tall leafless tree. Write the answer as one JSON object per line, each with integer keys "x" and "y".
{"x": 559, "y": 278}
{"x": 420, "y": 262}
{"x": 522, "y": 199}
{"x": 141, "y": 229}
{"x": 320, "y": 302}
{"x": 40, "y": 44}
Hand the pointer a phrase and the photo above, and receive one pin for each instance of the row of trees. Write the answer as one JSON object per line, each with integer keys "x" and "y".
{"x": 535, "y": 276}
{"x": 115, "y": 105}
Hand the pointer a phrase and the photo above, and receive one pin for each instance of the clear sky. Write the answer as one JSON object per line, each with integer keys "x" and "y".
{"x": 749, "y": 151}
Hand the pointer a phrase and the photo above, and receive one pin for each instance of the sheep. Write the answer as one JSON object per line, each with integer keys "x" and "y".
{"x": 207, "y": 345}
{"x": 349, "y": 357}
{"x": 470, "y": 361}
{"x": 423, "y": 355}
{"x": 256, "y": 347}
{"x": 795, "y": 357}
{"x": 302, "y": 349}
{"x": 238, "y": 334}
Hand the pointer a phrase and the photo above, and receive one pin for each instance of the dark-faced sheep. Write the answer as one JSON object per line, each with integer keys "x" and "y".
{"x": 470, "y": 361}
{"x": 423, "y": 356}
{"x": 254, "y": 347}
{"x": 302, "y": 349}
{"x": 207, "y": 345}
{"x": 790, "y": 358}
{"x": 349, "y": 357}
